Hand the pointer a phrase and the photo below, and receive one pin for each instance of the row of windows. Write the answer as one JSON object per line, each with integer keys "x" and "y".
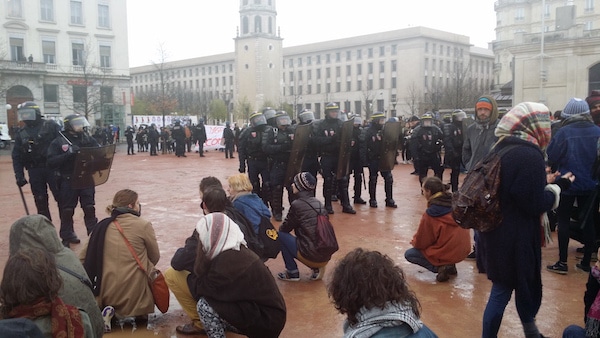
{"x": 337, "y": 56}
{"x": 78, "y": 52}
{"x": 478, "y": 66}
{"x": 16, "y": 10}
{"x": 439, "y": 50}
{"x": 80, "y": 94}
{"x": 179, "y": 73}
{"x": 440, "y": 83}
{"x": 191, "y": 84}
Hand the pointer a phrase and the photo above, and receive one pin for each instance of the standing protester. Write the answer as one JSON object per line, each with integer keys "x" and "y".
{"x": 178, "y": 134}
{"x": 188, "y": 136}
{"x": 61, "y": 157}
{"x": 374, "y": 141}
{"x": 513, "y": 250}
{"x": 129, "y": 135}
{"x": 140, "y": 137}
{"x": 251, "y": 151}
{"x": 358, "y": 158}
{"x": 327, "y": 137}
{"x": 30, "y": 152}
{"x": 453, "y": 142}
{"x": 426, "y": 143}
{"x": 479, "y": 138}
{"x": 574, "y": 149}
{"x": 229, "y": 138}
{"x": 165, "y": 142}
{"x": 277, "y": 143}
{"x": 200, "y": 136}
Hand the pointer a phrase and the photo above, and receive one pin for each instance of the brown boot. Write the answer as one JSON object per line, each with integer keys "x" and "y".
{"x": 452, "y": 270}
{"x": 443, "y": 273}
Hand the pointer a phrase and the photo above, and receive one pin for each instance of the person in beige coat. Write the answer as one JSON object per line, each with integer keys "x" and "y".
{"x": 116, "y": 277}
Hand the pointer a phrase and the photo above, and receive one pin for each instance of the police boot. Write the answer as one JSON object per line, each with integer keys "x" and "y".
{"x": 358, "y": 190}
{"x": 327, "y": 191}
{"x": 344, "y": 197}
{"x": 41, "y": 203}
{"x": 266, "y": 195}
{"x": 277, "y": 204}
{"x": 334, "y": 190}
{"x": 389, "y": 201}
{"x": 372, "y": 190}
{"x": 89, "y": 218}
{"x": 66, "y": 227}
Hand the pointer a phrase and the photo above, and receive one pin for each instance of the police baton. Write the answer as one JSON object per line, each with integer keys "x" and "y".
{"x": 23, "y": 199}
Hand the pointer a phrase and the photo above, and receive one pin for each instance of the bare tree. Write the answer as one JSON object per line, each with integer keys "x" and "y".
{"x": 367, "y": 96}
{"x": 413, "y": 98}
{"x": 163, "y": 97}
{"x": 242, "y": 109}
{"x": 218, "y": 110}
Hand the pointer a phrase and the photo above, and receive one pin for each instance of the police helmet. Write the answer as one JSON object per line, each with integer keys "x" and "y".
{"x": 76, "y": 123}
{"x": 447, "y": 118}
{"x": 427, "y": 119}
{"x": 269, "y": 113}
{"x": 343, "y": 116}
{"x": 257, "y": 119}
{"x": 306, "y": 116}
{"x": 458, "y": 115}
{"x": 29, "y": 111}
{"x": 357, "y": 120}
{"x": 283, "y": 119}
{"x": 378, "y": 118}
{"x": 331, "y": 110}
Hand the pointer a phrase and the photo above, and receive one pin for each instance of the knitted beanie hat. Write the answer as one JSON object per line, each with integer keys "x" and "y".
{"x": 484, "y": 102}
{"x": 305, "y": 181}
{"x": 575, "y": 106}
{"x": 594, "y": 98}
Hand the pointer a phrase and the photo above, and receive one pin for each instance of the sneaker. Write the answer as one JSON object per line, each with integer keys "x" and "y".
{"x": 558, "y": 267}
{"x": 472, "y": 255}
{"x": 107, "y": 313}
{"x": 317, "y": 273}
{"x": 290, "y": 277}
{"x": 443, "y": 273}
{"x": 583, "y": 268}
{"x": 190, "y": 329}
{"x": 452, "y": 271}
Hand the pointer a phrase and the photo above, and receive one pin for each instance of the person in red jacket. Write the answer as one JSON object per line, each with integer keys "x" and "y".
{"x": 439, "y": 242}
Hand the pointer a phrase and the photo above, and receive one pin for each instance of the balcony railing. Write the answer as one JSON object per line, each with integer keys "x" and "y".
{"x": 22, "y": 65}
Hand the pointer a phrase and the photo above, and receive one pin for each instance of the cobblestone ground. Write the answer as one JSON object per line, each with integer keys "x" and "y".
{"x": 168, "y": 190}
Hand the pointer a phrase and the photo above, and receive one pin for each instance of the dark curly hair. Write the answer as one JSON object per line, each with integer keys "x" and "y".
{"x": 369, "y": 279}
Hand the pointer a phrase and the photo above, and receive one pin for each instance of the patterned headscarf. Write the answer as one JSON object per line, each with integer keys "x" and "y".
{"x": 529, "y": 121}
{"x": 219, "y": 233}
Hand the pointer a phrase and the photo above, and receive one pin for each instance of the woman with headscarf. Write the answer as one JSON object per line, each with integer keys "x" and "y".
{"x": 512, "y": 251}
{"x": 238, "y": 292}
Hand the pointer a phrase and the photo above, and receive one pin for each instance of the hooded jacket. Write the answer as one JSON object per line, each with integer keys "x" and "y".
{"x": 36, "y": 231}
{"x": 479, "y": 137}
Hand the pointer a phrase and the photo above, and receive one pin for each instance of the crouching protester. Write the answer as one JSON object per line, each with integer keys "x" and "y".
{"x": 440, "y": 242}
{"x": 373, "y": 293}
{"x": 302, "y": 219}
{"x": 237, "y": 291}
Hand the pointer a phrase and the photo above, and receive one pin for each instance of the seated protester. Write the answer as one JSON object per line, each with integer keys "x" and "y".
{"x": 118, "y": 280}
{"x": 302, "y": 219}
{"x": 180, "y": 277}
{"x": 29, "y": 289}
{"x": 237, "y": 291}
{"x": 440, "y": 242}
{"x": 372, "y": 292}
{"x": 591, "y": 300}
{"x": 247, "y": 202}
{"x": 36, "y": 231}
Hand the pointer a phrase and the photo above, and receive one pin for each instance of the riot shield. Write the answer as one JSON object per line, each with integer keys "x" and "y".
{"x": 343, "y": 167}
{"x": 92, "y": 166}
{"x": 294, "y": 166}
{"x": 466, "y": 122}
{"x": 391, "y": 135}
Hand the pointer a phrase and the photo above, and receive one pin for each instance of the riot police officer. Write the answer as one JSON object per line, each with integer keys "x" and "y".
{"x": 278, "y": 146}
{"x": 61, "y": 156}
{"x": 453, "y": 142}
{"x": 252, "y": 153}
{"x": 129, "y": 135}
{"x": 327, "y": 135}
{"x": 310, "y": 163}
{"x": 200, "y": 136}
{"x": 178, "y": 134}
{"x": 153, "y": 137}
{"x": 374, "y": 140}
{"x": 428, "y": 141}
{"x": 358, "y": 159}
{"x": 30, "y": 152}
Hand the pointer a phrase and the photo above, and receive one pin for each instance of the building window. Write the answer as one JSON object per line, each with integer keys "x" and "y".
{"x": 359, "y": 69}
{"x": 359, "y": 54}
{"x": 318, "y": 59}
{"x": 299, "y": 62}
{"x": 394, "y": 65}
{"x": 381, "y": 66}
{"x": 348, "y": 86}
{"x": 426, "y": 63}
{"x": 370, "y": 84}
{"x": 394, "y": 82}
{"x": 291, "y": 76}
{"x": 318, "y": 74}
{"x": 381, "y": 83}
{"x": 382, "y": 51}
{"x": 426, "y": 47}
{"x": 77, "y": 49}
{"x": 328, "y": 88}
{"x": 547, "y": 10}
{"x": 270, "y": 25}
{"x": 348, "y": 70}
{"x": 49, "y": 51}
{"x": 105, "y": 61}
{"x": 16, "y": 49}
{"x": 589, "y": 5}
{"x": 79, "y": 94}
{"x": 348, "y": 55}
{"x": 394, "y": 49}
{"x": 291, "y": 63}
{"x": 15, "y": 9}
{"x": 327, "y": 73}
{"x": 47, "y": 8}
{"x": 338, "y": 57}
{"x": 338, "y": 70}
{"x": 309, "y": 89}
{"x": 338, "y": 87}
{"x": 327, "y": 58}
{"x": 589, "y": 25}
{"x": 520, "y": 14}
{"x": 50, "y": 93}
{"x": 370, "y": 68}
{"x": 257, "y": 24}
{"x": 370, "y": 53}
{"x": 318, "y": 88}
{"x": 103, "y": 16}
{"x": 76, "y": 13}
{"x": 291, "y": 90}
{"x": 309, "y": 60}
{"x": 245, "y": 26}
{"x": 299, "y": 75}
{"x": 359, "y": 84}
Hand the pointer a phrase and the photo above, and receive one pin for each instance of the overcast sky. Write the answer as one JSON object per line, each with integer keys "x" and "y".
{"x": 192, "y": 28}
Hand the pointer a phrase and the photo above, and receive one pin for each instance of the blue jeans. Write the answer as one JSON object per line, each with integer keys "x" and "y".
{"x": 494, "y": 310}
{"x": 415, "y": 256}
{"x": 289, "y": 250}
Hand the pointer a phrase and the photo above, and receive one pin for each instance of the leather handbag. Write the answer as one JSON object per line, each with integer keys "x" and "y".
{"x": 156, "y": 280}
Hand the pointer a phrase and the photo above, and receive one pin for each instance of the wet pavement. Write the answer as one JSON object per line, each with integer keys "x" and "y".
{"x": 168, "y": 190}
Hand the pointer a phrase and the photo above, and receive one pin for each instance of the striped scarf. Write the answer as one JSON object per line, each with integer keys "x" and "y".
{"x": 529, "y": 121}
{"x": 219, "y": 233}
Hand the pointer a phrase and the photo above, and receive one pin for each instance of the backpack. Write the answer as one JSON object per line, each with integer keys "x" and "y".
{"x": 269, "y": 238}
{"x": 476, "y": 205}
{"x": 326, "y": 242}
